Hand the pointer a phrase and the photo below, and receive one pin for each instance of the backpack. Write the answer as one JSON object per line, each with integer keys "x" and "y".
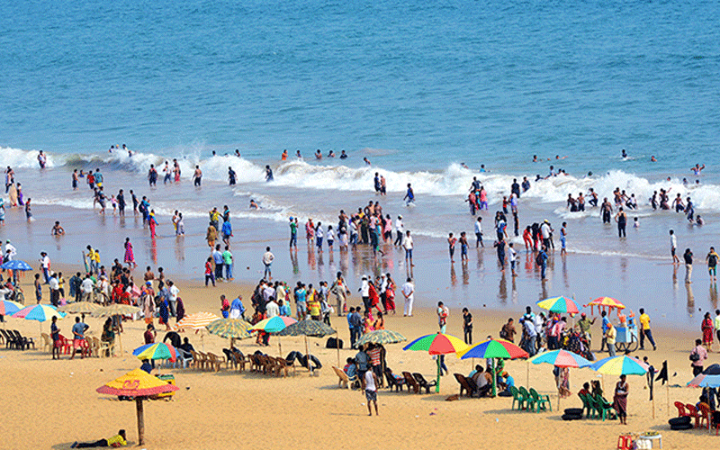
{"x": 712, "y": 260}
{"x": 503, "y": 333}
{"x": 539, "y": 259}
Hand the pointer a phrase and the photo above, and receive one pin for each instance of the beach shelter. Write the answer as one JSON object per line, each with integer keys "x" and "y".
{"x": 41, "y": 313}
{"x": 382, "y": 337}
{"x": 560, "y": 305}
{"x": 709, "y": 377}
{"x": 80, "y": 308}
{"x": 437, "y": 344}
{"x": 620, "y": 365}
{"x": 156, "y": 351}
{"x": 9, "y": 307}
{"x": 605, "y": 302}
{"x": 275, "y": 325}
{"x": 560, "y": 358}
{"x": 305, "y": 328}
{"x": 491, "y": 349}
{"x": 140, "y": 385}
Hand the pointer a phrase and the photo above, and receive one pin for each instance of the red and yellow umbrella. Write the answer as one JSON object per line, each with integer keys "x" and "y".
{"x": 605, "y": 302}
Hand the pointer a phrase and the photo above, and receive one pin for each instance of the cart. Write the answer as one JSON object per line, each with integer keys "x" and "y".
{"x": 627, "y": 338}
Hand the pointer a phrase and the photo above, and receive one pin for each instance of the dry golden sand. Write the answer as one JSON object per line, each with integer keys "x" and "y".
{"x": 50, "y": 404}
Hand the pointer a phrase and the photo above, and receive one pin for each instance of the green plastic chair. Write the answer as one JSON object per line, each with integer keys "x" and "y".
{"x": 529, "y": 401}
{"x": 541, "y": 401}
{"x": 517, "y": 397}
{"x": 588, "y": 404}
{"x": 604, "y": 408}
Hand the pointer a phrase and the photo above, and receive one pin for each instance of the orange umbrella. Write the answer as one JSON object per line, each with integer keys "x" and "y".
{"x": 197, "y": 321}
{"x": 138, "y": 384}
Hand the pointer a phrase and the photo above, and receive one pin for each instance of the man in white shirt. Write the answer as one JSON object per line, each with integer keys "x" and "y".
{"x": 267, "y": 260}
{"x": 10, "y": 250}
{"x": 365, "y": 292}
{"x": 478, "y": 233}
{"x": 399, "y": 231}
{"x": 673, "y": 247}
{"x": 268, "y": 292}
{"x": 408, "y": 245}
{"x": 272, "y": 309}
{"x": 87, "y": 288}
{"x": 545, "y": 231}
{"x": 45, "y": 264}
{"x": 408, "y": 291}
{"x": 174, "y": 291}
{"x": 54, "y": 290}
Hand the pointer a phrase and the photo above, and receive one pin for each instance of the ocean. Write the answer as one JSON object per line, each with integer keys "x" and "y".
{"x": 428, "y": 93}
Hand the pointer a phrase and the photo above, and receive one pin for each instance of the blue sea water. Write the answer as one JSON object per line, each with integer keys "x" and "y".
{"x": 479, "y": 82}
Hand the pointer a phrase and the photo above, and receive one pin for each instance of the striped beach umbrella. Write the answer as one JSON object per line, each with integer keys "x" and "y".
{"x": 620, "y": 365}
{"x": 273, "y": 324}
{"x": 9, "y": 307}
{"x": 605, "y": 302}
{"x": 709, "y": 377}
{"x": 559, "y": 305}
{"x": 197, "y": 321}
{"x": 41, "y": 313}
{"x": 156, "y": 351}
{"x": 561, "y": 358}
{"x": 494, "y": 348}
{"x": 437, "y": 344}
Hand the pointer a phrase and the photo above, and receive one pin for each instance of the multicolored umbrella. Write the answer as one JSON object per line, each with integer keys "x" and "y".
{"x": 9, "y": 307}
{"x": 156, "y": 351}
{"x": 437, "y": 344}
{"x": 16, "y": 264}
{"x": 382, "y": 337}
{"x": 709, "y": 377}
{"x": 620, "y": 365}
{"x": 561, "y": 358}
{"x": 559, "y": 305}
{"x": 229, "y": 328}
{"x": 605, "y": 302}
{"x": 41, "y": 313}
{"x": 273, "y": 324}
{"x": 138, "y": 384}
{"x": 80, "y": 308}
{"x": 197, "y": 321}
{"x": 494, "y": 348}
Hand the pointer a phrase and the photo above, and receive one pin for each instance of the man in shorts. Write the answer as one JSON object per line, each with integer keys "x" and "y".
{"x": 370, "y": 383}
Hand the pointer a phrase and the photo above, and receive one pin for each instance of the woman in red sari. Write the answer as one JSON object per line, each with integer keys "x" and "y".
{"x": 707, "y": 331}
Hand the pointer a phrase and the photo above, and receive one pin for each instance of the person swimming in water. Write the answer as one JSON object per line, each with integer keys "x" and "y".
{"x": 624, "y": 154}
{"x": 268, "y": 174}
{"x": 367, "y": 161}
{"x": 695, "y": 170}
{"x": 343, "y": 155}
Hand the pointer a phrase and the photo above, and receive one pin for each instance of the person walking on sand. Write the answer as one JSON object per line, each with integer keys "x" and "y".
{"x": 129, "y": 255}
{"x": 645, "y": 330}
{"x": 443, "y": 313}
{"x": 467, "y": 326}
{"x": 370, "y": 383}
{"x": 620, "y": 399}
{"x": 712, "y": 261}
{"x": 408, "y": 291}
{"x": 707, "y": 331}
{"x": 408, "y": 245}
{"x": 698, "y": 355}
{"x": 673, "y": 247}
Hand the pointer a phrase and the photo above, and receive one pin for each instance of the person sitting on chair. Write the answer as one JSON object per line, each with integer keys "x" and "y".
{"x": 119, "y": 440}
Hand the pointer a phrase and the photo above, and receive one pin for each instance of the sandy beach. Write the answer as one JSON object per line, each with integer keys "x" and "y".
{"x": 239, "y": 410}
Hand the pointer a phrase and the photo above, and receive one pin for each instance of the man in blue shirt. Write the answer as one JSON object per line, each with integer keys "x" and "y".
{"x": 605, "y": 326}
{"x": 219, "y": 261}
{"x": 78, "y": 331}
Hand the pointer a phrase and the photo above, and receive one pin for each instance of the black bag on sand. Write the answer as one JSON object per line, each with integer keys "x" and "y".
{"x": 334, "y": 342}
{"x": 572, "y": 416}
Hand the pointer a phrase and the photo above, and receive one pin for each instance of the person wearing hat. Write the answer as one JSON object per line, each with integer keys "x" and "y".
{"x": 546, "y": 231}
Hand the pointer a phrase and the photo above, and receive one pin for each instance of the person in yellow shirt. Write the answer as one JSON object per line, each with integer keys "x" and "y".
{"x": 313, "y": 303}
{"x": 645, "y": 330}
{"x": 119, "y": 440}
{"x": 610, "y": 335}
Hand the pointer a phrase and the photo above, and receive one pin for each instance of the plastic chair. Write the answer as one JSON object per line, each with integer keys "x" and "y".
{"x": 692, "y": 412}
{"x": 705, "y": 413}
{"x": 47, "y": 343}
{"x": 588, "y": 405}
{"x": 604, "y": 408}
{"x": 541, "y": 401}
{"x": 625, "y": 442}
{"x": 681, "y": 409}
{"x": 517, "y": 397}
{"x": 529, "y": 400}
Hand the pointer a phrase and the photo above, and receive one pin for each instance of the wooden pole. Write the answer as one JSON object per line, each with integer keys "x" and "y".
{"x": 653, "y": 406}
{"x": 528, "y": 374}
{"x": 307, "y": 355}
{"x": 337, "y": 346}
{"x": 439, "y": 372}
{"x": 141, "y": 420}
{"x": 667, "y": 384}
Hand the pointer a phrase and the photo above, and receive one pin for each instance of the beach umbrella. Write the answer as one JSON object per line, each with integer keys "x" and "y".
{"x": 197, "y": 321}
{"x": 605, "y": 302}
{"x": 559, "y": 305}
{"x": 80, "y": 308}
{"x": 41, "y": 313}
{"x": 437, "y": 344}
{"x": 9, "y": 307}
{"x": 116, "y": 309}
{"x": 491, "y": 349}
{"x": 16, "y": 264}
{"x": 382, "y": 337}
{"x": 156, "y": 351}
{"x": 560, "y": 358}
{"x": 620, "y": 365}
{"x": 230, "y": 329}
{"x": 273, "y": 324}
{"x": 138, "y": 384}
{"x": 305, "y": 328}
{"x": 709, "y": 377}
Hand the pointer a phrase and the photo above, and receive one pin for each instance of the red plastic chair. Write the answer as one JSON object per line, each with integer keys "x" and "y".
{"x": 705, "y": 413}
{"x": 65, "y": 345}
{"x": 681, "y": 409}
{"x": 625, "y": 442}
{"x": 692, "y": 412}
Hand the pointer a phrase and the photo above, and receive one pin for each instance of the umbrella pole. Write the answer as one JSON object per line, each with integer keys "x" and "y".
{"x": 439, "y": 372}
{"x": 337, "y": 347}
{"x": 528, "y": 373}
{"x": 279, "y": 348}
{"x": 141, "y": 420}
{"x": 494, "y": 379}
{"x": 307, "y": 355}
